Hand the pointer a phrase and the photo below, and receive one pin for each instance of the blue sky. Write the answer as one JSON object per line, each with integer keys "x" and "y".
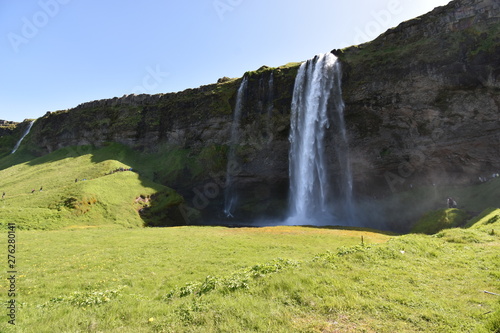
{"x": 56, "y": 54}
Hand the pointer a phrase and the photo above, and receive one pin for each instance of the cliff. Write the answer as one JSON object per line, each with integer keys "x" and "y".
{"x": 423, "y": 99}
{"x": 422, "y": 107}
{"x": 9, "y": 131}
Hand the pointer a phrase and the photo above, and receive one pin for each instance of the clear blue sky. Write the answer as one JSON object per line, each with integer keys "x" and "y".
{"x": 56, "y": 54}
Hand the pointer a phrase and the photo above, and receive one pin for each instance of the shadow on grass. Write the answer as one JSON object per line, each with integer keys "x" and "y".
{"x": 110, "y": 151}
{"x": 8, "y": 160}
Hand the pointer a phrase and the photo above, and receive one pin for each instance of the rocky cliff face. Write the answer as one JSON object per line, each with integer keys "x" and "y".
{"x": 423, "y": 99}
{"x": 192, "y": 126}
{"x": 422, "y": 107}
{"x": 10, "y": 132}
{"x": 6, "y": 127}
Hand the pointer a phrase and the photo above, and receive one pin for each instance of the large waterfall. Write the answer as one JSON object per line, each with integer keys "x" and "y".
{"x": 229, "y": 193}
{"x": 28, "y": 129}
{"x": 317, "y": 112}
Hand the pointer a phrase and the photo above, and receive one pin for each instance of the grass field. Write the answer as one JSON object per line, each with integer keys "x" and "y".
{"x": 276, "y": 279}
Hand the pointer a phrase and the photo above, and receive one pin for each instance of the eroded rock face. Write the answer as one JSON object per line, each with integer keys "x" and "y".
{"x": 423, "y": 99}
{"x": 422, "y": 107}
{"x": 6, "y": 127}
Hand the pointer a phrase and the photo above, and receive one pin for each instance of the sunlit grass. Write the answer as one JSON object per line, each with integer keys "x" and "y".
{"x": 66, "y": 188}
{"x": 110, "y": 279}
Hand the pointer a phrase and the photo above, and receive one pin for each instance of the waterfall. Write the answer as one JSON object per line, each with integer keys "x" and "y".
{"x": 28, "y": 129}
{"x": 317, "y": 110}
{"x": 232, "y": 163}
{"x": 270, "y": 94}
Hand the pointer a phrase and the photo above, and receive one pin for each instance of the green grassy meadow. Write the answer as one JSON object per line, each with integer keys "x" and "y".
{"x": 86, "y": 263}
{"x": 274, "y": 279}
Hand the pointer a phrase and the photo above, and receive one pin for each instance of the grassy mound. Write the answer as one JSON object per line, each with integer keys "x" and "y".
{"x": 486, "y": 219}
{"x": 75, "y": 186}
{"x": 436, "y": 221}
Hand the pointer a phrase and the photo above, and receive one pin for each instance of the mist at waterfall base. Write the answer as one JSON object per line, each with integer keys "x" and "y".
{"x": 316, "y": 196}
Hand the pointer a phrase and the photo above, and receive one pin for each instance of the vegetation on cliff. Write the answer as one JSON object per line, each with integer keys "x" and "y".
{"x": 10, "y": 133}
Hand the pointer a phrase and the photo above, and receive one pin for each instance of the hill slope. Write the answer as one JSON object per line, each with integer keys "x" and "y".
{"x": 83, "y": 185}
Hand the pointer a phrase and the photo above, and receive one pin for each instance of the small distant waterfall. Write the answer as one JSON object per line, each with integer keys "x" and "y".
{"x": 28, "y": 129}
{"x": 232, "y": 163}
{"x": 317, "y": 109}
{"x": 270, "y": 94}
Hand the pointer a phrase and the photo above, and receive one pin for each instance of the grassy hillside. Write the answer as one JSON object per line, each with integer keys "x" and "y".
{"x": 279, "y": 279}
{"x": 78, "y": 189}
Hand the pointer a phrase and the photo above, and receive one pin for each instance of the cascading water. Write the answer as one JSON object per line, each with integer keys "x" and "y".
{"x": 232, "y": 164}
{"x": 270, "y": 94}
{"x": 316, "y": 104}
{"x": 28, "y": 129}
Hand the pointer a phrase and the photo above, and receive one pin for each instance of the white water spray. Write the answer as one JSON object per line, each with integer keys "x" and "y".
{"x": 28, "y": 129}
{"x": 316, "y": 105}
{"x": 232, "y": 164}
